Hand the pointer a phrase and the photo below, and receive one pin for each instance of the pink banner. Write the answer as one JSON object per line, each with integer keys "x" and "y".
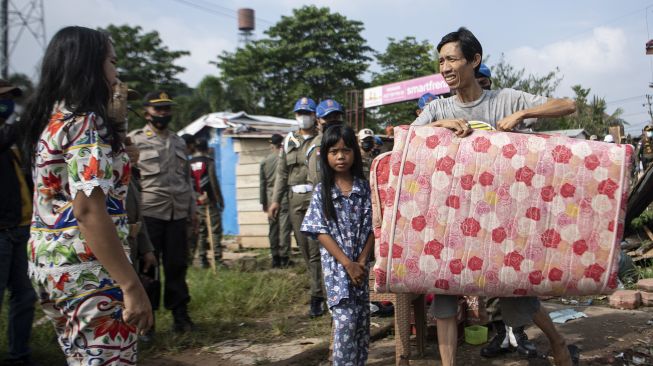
{"x": 404, "y": 90}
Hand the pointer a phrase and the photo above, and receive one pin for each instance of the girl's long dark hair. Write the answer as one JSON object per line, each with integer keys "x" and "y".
{"x": 72, "y": 70}
{"x": 331, "y": 136}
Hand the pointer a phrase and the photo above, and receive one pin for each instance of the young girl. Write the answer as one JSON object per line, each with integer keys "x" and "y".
{"x": 340, "y": 217}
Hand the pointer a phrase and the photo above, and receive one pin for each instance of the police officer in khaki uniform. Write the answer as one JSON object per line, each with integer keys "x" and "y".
{"x": 279, "y": 233}
{"x": 366, "y": 142}
{"x": 328, "y": 112}
{"x": 291, "y": 180}
{"x": 167, "y": 200}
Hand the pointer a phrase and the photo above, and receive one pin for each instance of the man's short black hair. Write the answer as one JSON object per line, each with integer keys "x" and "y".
{"x": 188, "y": 139}
{"x": 201, "y": 144}
{"x": 469, "y": 45}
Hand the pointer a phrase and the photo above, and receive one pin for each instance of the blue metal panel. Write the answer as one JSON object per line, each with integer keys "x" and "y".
{"x": 226, "y": 161}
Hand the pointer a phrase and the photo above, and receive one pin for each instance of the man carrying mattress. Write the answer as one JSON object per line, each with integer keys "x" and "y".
{"x": 506, "y": 109}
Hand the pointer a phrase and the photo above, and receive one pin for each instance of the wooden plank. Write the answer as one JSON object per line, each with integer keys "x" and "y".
{"x": 248, "y": 169}
{"x": 254, "y": 229}
{"x": 648, "y": 232}
{"x": 247, "y": 193}
{"x": 247, "y": 181}
{"x": 260, "y": 241}
{"x": 255, "y": 158}
{"x": 254, "y": 242}
{"x": 248, "y": 218}
{"x": 249, "y": 205}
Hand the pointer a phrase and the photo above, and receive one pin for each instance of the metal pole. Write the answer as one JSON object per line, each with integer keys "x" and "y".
{"x": 4, "y": 39}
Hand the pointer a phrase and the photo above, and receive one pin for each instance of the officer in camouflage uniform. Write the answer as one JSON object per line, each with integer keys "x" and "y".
{"x": 210, "y": 202}
{"x": 291, "y": 181}
{"x": 279, "y": 233}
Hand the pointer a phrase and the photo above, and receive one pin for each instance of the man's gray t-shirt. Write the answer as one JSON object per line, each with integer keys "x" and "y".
{"x": 491, "y": 107}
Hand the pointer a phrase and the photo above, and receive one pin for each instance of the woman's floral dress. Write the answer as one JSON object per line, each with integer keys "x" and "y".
{"x": 74, "y": 155}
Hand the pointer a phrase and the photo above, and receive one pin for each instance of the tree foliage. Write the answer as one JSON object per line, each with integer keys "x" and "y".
{"x": 144, "y": 62}
{"x": 208, "y": 97}
{"x": 591, "y": 115}
{"x": 313, "y": 52}
{"x": 403, "y": 59}
{"x": 504, "y": 75}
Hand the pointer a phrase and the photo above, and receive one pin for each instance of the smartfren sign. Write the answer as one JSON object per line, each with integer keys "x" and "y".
{"x": 404, "y": 90}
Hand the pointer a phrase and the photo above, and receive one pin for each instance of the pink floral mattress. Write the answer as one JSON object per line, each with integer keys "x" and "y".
{"x": 498, "y": 214}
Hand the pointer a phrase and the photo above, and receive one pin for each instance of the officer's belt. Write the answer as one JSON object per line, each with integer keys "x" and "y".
{"x": 302, "y": 188}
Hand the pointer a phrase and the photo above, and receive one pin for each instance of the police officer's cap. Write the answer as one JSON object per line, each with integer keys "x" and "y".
{"x": 648, "y": 128}
{"x": 425, "y": 99}
{"x": 304, "y": 104}
{"x": 157, "y": 98}
{"x": 327, "y": 107}
{"x": 483, "y": 71}
{"x": 276, "y": 139}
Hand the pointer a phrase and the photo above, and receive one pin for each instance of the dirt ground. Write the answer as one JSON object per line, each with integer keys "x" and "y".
{"x": 606, "y": 337}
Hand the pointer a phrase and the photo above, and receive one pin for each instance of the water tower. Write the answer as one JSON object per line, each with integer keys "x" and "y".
{"x": 245, "y": 25}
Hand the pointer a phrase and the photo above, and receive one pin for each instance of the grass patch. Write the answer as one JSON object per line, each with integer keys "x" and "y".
{"x": 261, "y": 306}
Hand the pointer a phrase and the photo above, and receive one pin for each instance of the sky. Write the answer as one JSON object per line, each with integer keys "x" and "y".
{"x": 598, "y": 44}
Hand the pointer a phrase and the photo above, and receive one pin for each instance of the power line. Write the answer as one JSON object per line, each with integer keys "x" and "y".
{"x": 625, "y": 99}
{"x": 221, "y": 10}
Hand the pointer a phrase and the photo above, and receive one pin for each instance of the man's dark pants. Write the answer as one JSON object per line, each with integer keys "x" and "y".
{"x": 13, "y": 275}
{"x": 170, "y": 244}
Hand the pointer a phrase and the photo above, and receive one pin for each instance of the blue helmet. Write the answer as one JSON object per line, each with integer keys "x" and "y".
{"x": 327, "y": 107}
{"x": 426, "y": 99}
{"x": 304, "y": 104}
{"x": 484, "y": 71}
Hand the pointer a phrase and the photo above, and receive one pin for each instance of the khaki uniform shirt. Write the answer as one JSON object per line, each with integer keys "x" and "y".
{"x": 367, "y": 163}
{"x": 267, "y": 176}
{"x": 313, "y": 161}
{"x": 167, "y": 191}
{"x": 291, "y": 168}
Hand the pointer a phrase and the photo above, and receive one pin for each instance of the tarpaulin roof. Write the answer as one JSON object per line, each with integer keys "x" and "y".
{"x": 239, "y": 122}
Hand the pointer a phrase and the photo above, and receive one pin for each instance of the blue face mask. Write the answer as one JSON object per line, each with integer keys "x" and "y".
{"x": 6, "y": 108}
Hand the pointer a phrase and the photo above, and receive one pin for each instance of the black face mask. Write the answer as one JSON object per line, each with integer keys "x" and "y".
{"x": 367, "y": 146}
{"x": 331, "y": 123}
{"x": 161, "y": 122}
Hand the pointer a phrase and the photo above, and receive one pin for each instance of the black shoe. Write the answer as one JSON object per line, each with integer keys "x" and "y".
{"x": 285, "y": 262}
{"x": 182, "y": 322}
{"x": 317, "y": 307}
{"x": 525, "y": 348}
{"x": 148, "y": 337}
{"x": 276, "y": 261}
{"x": 499, "y": 344}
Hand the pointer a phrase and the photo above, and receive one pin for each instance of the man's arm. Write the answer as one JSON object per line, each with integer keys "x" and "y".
{"x": 552, "y": 108}
{"x": 263, "y": 183}
{"x": 281, "y": 180}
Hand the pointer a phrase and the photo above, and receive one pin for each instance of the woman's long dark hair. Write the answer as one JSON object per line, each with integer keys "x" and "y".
{"x": 72, "y": 70}
{"x": 331, "y": 136}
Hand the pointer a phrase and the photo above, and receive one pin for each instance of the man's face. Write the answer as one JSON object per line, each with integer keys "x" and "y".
{"x": 484, "y": 82}
{"x": 331, "y": 117}
{"x": 455, "y": 69}
{"x": 158, "y": 111}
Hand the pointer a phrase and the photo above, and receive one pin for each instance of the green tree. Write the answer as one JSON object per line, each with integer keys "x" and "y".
{"x": 208, "y": 97}
{"x": 504, "y": 75}
{"x": 591, "y": 115}
{"x": 144, "y": 62}
{"x": 313, "y": 52}
{"x": 403, "y": 59}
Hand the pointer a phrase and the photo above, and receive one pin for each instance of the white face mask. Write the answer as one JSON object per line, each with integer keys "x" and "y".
{"x": 649, "y": 133}
{"x": 305, "y": 121}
